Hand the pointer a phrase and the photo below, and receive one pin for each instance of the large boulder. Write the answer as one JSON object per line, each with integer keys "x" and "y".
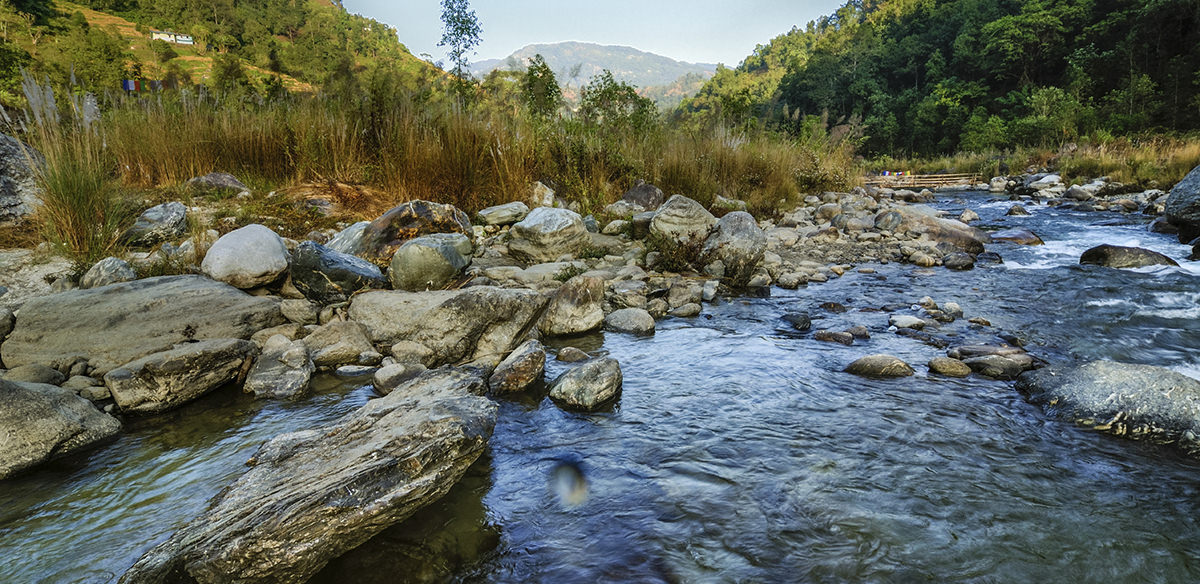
{"x": 644, "y": 195}
{"x": 548, "y": 233}
{"x": 880, "y": 366}
{"x": 341, "y": 343}
{"x": 327, "y": 276}
{"x": 739, "y": 244}
{"x": 116, "y": 324}
{"x": 349, "y": 240}
{"x": 165, "y": 222}
{"x": 1115, "y": 256}
{"x": 247, "y": 258}
{"x": 162, "y": 381}
{"x": 476, "y": 324}
{"x": 505, "y": 214}
{"x": 282, "y": 370}
{"x": 40, "y": 422}
{"x": 107, "y": 271}
{"x": 682, "y": 220}
{"x": 19, "y": 193}
{"x": 1133, "y": 401}
{"x": 426, "y": 263}
{"x": 383, "y": 236}
{"x": 575, "y": 307}
{"x": 630, "y": 320}
{"x": 925, "y": 220}
{"x": 1182, "y": 207}
{"x": 588, "y": 386}
{"x": 522, "y": 368}
{"x": 312, "y": 495}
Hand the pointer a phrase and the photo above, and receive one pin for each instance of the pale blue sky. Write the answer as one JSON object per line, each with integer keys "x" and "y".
{"x": 698, "y": 31}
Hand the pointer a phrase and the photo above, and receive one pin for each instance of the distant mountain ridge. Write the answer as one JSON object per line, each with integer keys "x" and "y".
{"x": 627, "y": 64}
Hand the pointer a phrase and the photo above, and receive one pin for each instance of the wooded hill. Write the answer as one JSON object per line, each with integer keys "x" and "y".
{"x": 936, "y": 76}
{"x": 266, "y": 45}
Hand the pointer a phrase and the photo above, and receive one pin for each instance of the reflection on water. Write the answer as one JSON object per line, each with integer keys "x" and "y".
{"x": 738, "y": 451}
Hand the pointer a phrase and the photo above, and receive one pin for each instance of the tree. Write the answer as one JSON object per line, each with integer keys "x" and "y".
{"x": 540, "y": 89}
{"x": 460, "y": 34}
{"x": 614, "y": 104}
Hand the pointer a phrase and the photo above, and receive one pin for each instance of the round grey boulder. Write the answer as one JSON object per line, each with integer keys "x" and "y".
{"x": 682, "y": 220}
{"x": 247, "y": 258}
{"x": 426, "y": 263}
{"x": 588, "y": 386}
{"x": 548, "y": 233}
{"x": 1115, "y": 256}
{"x": 630, "y": 320}
{"x": 739, "y": 244}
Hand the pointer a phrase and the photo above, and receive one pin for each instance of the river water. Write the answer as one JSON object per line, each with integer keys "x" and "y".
{"x": 738, "y": 450}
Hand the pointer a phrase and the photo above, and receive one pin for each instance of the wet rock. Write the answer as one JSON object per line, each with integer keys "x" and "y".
{"x": 1182, "y": 207}
{"x": 1132, "y": 401}
{"x": 1017, "y": 236}
{"x": 834, "y": 307}
{"x": 547, "y": 234}
{"x": 426, "y": 263}
{"x": 1161, "y": 225}
{"x": 924, "y": 220}
{"x": 800, "y": 321}
{"x": 687, "y": 310}
{"x": 904, "y": 321}
{"x": 116, "y": 324}
{"x": 43, "y": 422}
{"x": 969, "y": 216}
{"x": 1017, "y": 211}
{"x": 341, "y": 343}
{"x": 859, "y": 332}
{"x": 882, "y": 366}
{"x": 1115, "y": 256}
{"x": 575, "y": 307}
{"x": 389, "y": 377}
{"x": 282, "y": 370}
{"x": 571, "y": 355}
{"x": 834, "y": 337}
{"x": 327, "y": 276}
{"x": 35, "y": 373}
{"x": 169, "y": 379}
{"x": 630, "y": 320}
{"x": 107, "y": 271}
{"x": 505, "y": 214}
{"x": 479, "y": 323}
{"x": 312, "y": 495}
{"x": 217, "y": 181}
{"x": 996, "y": 366}
{"x": 682, "y": 221}
{"x": 989, "y": 257}
{"x": 247, "y": 258}
{"x": 959, "y": 261}
{"x": 588, "y": 386}
{"x": 739, "y": 244}
{"x": 165, "y": 222}
{"x": 644, "y": 195}
{"x": 519, "y": 371}
{"x": 998, "y": 184}
{"x": 949, "y": 367}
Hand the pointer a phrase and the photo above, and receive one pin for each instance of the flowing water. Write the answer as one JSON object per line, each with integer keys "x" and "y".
{"x": 738, "y": 450}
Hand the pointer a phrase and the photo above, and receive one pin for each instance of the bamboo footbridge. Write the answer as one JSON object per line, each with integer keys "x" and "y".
{"x": 921, "y": 181}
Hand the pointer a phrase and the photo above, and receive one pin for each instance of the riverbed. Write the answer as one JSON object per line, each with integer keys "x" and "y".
{"x": 739, "y": 451}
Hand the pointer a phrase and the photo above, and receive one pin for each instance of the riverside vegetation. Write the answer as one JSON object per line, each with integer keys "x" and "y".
{"x": 442, "y": 238}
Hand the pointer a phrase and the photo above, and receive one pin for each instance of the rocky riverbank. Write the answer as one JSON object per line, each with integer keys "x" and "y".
{"x": 424, "y": 293}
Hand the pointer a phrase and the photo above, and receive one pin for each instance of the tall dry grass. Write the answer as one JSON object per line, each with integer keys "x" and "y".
{"x": 471, "y": 156}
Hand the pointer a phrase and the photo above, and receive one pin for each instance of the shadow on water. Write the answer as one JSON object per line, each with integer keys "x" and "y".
{"x": 738, "y": 450}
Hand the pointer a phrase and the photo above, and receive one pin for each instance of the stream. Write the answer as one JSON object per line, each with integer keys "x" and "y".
{"x": 739, "y": 451}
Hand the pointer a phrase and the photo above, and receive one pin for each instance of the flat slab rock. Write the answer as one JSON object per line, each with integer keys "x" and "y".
{"x": 41, "y": 422}
{"x": 310, "y": 496}
{"x": 1133, "y": 401}
{"x": 113, "y": 325}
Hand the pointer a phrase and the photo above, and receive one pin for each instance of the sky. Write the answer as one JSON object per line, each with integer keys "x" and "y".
{"x": 697, "y": 31}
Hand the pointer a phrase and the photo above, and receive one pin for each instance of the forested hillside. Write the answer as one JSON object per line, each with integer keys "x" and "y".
{"x": 935, "y": 76}
{"x": 266, "y": 44}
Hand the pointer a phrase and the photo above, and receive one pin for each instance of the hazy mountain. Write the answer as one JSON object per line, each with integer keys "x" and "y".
{"x": 626, "y": 63}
